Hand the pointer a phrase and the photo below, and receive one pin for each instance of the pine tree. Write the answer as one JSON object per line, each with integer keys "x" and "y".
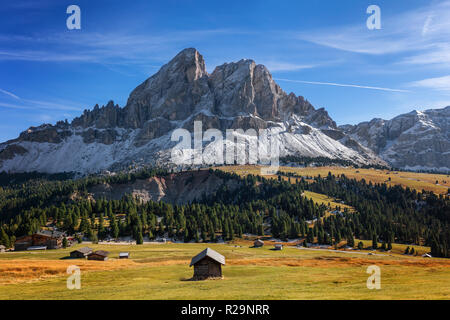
{"x": 139, "y": 238}
{"x": 212, "y": 234}
{"x": 350, "y": 241}
{"x": 94, "y": 238}
{"x": 260, "y": 229}
{"x": 360, "y": 245}
{"x": 64, "y": 242}
{"x": 374, "y": 242}
{"x": 4, "y": 239}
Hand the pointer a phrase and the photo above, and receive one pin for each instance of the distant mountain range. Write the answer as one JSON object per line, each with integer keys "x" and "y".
{"x": 235, "y": 95}
{"x": 414, "y": 141}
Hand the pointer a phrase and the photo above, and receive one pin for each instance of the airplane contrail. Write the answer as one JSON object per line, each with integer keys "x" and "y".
{"x": 342, "y": 85}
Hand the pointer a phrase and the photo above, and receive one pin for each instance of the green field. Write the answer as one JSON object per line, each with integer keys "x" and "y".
{"x": 161, "y": 271}
{"x": 438, "y": 183}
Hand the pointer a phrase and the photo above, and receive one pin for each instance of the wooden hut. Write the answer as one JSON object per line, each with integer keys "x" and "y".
{"x": 98, "y": 255}
{"x": 278, "y": 246}
{"x": 207, "y": 264}
{"x": 44, "y": 238}
{"x": 81, "y": 253}
{"x": 124, "y": 255}
{"x": 258, "y": 243}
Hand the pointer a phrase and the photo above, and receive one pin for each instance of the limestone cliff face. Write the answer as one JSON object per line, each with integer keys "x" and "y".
{"x": 237, "y": 95}
{"x": 415, "y": 140}
{"x": 183, "y": 89}
{"x": 180, "y": 188}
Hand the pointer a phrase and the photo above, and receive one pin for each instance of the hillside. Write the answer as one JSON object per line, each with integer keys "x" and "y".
{"x": 212, "y": 205}
{"x": 179, "y": 188}
{"x": 437, "y": 183}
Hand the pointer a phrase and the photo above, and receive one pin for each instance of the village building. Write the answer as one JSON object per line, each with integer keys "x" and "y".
{"x": 278, "y": 246}
{"x": 258, "y": 243}
{"x": 2, "y": 248}
{"x": 34, "y": 248}
{"x": 44, "y": 238}
{"x": 99, "y": 255}
{"x": 124, "y": 255}
{"x": 81, "y": 253}
{"x": 207, "y": 264}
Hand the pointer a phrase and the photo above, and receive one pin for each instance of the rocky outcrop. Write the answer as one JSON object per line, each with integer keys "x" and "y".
{"x": 237, "y": 95}
{"x": 44, "y": 133}
{"x": 105, "y": 136}
{"x": 11, "y": 151}
{"x": 178, "y": 188}
{"x": 416, "y": 140}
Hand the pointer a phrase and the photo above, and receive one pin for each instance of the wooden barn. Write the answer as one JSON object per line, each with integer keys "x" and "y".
{"x": 207, "y": 264}
{"x": 44, "y": 238}
{"x": 278, "y": 246}
{"x": 258, "y": 243}
{"x": 81, "y": 253}
{"x": 124, "y": 255}
{"x": 98, "y": 255}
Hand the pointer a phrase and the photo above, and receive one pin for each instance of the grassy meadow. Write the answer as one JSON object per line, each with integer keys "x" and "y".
{"x": 161, "y": 271}
{"x": 412, "y": 180}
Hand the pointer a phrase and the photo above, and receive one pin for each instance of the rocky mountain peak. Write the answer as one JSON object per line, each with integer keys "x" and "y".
{"x": 236, "y": 95}
{"x": 418, "y": 140}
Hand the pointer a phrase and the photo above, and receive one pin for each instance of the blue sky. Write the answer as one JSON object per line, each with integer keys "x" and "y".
{"x": 313, "y": 48}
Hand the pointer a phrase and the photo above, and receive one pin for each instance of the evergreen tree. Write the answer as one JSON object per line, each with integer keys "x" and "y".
{"x": 350, "y": 241}
{"x": 4, "y": 239}
{"x": 374, "y": 242}
{"x": 139, "y": 238}
{"x": 360, "y": 245}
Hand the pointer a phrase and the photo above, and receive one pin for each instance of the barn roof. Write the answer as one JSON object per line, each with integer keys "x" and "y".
{"x": 101, "y": 253}
{"x": 83, "y": 250}
{"x": 208, "y": 253}
{"x": 49, "y": 233}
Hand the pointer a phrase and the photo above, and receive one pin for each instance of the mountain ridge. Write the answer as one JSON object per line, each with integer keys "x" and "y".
{"x": 235, "y": 95}
{"x": 417, "y": 140}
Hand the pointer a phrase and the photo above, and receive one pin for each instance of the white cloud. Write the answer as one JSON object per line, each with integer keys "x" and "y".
{"x": 440, "y": 83}
{"x": 9, "y": 94}
{"x": 439, "y": 55}
{"x": 285, "y": 66}
{"x": 28, "y": 104}
{"x": 422, "y": 29}
{"x": 112, "y": 48}
{"x": 343, "y": 85}
{"x": 426, "y": 26}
